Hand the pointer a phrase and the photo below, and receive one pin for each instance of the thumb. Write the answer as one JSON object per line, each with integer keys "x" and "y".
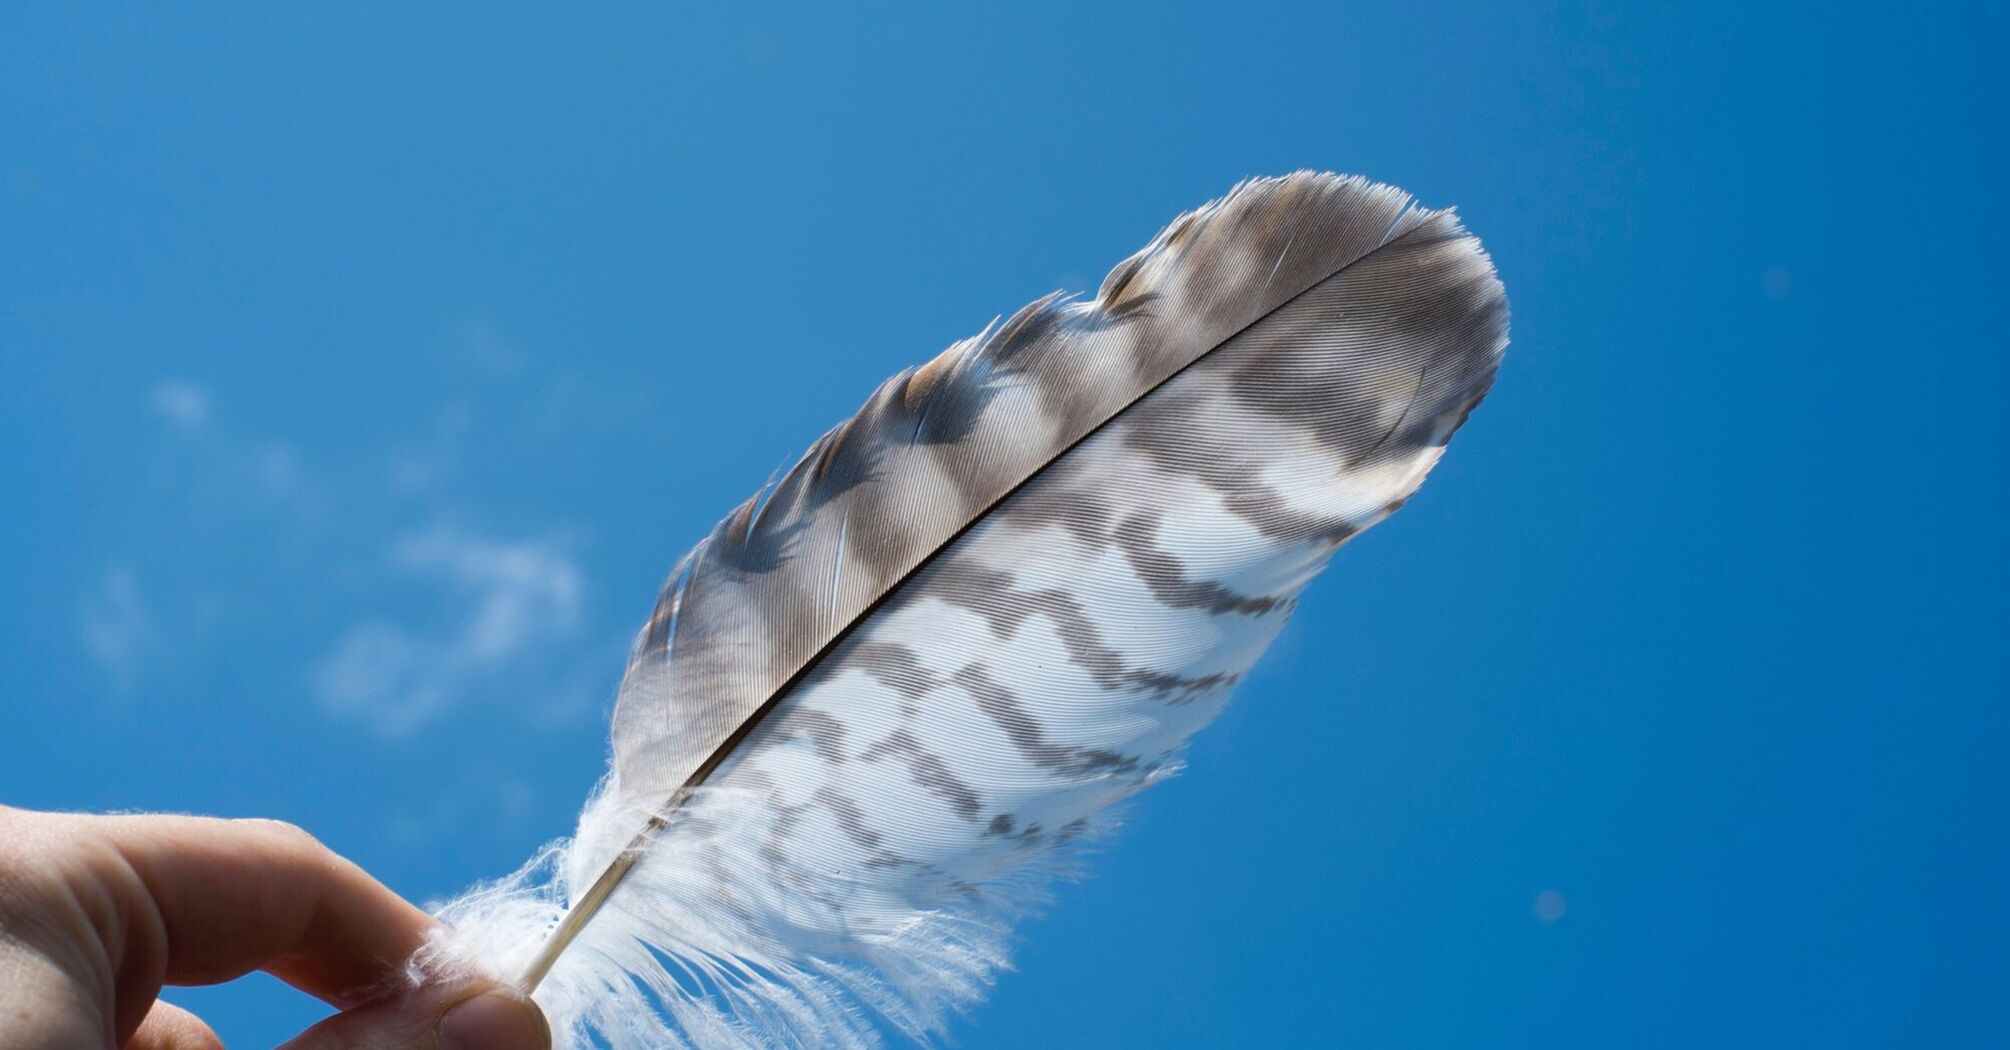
{"x": 479, "y": 1016}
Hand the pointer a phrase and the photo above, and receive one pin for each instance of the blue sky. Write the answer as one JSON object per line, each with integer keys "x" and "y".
{"x": 363, "y": 371}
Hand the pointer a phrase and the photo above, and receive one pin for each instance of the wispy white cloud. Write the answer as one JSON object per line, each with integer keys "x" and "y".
{"x": 268, "y": 468}
{"x": 181, "y": 403}
{"x": 115, "y": 628}
{"x": 402, "y": 626}
{"x": 512, "y": 600}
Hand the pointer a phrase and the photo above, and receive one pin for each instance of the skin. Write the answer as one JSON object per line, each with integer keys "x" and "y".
{"x": 97, "y": 913}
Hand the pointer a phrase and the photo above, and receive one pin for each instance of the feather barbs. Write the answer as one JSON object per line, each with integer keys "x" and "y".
{"x": 887, "y": 699}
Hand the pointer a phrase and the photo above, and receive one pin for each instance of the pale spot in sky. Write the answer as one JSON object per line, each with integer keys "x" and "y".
{"x": 425, "y": 464}
{"x": 276, "y": 471}
{"x": 404, "y": 830}
{"x": 515, "y": 799}
{"x": 1550, "y": 906}
{"x": 1778, "y": 281}
{"x": 483, "y": 343}
{"x": 181, "y": 403}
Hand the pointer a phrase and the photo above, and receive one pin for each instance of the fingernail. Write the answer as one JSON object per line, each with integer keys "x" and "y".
{"x": 493, "y": 1021}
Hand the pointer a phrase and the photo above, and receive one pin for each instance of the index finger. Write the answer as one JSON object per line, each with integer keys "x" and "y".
{"x": 215, "y": 899}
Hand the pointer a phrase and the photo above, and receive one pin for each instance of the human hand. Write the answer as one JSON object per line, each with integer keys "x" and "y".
{"x": 98, "y": 912}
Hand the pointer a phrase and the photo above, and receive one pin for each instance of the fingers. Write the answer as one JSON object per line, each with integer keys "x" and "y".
{"x": 96, "y": 913}
{"x": 104, "y": 910}
{"x": 225, "y": 897}
{"x": 467, "y": 1017}
{"x": 169, "y": 1027}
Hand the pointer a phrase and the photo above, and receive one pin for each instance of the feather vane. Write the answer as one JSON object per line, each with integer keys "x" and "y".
{"x": 887, "y": 700}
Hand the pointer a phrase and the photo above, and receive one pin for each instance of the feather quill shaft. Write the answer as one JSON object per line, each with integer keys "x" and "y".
{"x": 891, "y": 693}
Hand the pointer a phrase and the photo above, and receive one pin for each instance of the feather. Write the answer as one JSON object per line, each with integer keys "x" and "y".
{"x": 890, "y": 697}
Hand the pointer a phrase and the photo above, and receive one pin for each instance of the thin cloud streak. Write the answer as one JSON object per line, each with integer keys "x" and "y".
{"x": 115, "y": 628}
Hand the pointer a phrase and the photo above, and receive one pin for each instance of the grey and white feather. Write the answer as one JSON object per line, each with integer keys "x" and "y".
{"x": 874, "y": 712}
